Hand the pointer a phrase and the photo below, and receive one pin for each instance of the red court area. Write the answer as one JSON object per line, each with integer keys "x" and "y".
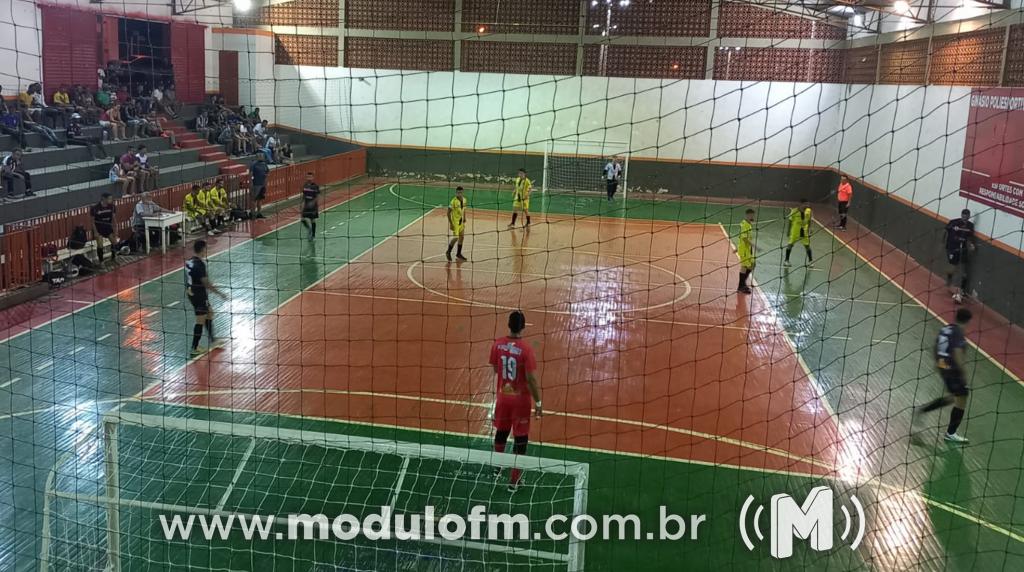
{"x": 643, "y": 345}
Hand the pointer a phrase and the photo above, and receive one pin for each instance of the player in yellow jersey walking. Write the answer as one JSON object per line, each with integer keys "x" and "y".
{"x": 746, "y": 251}
{"x": 521, "y": 198}
{"x": 457, "y": 224}
{"x": 800, "y": 229}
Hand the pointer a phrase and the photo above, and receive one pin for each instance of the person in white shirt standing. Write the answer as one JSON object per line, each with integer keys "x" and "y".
{"x": 612, "y": 174}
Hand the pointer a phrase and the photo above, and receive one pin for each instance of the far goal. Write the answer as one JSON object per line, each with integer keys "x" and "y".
{"x": 573, "y": 165}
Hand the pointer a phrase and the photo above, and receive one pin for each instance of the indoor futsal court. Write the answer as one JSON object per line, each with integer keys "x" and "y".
{"x": 650, "y": 285}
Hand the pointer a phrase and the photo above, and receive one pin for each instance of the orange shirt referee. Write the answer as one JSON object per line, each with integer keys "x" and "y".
{"x": 844, "y": 194}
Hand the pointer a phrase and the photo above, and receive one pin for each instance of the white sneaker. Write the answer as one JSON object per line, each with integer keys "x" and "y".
{"x": 955, "y": 438}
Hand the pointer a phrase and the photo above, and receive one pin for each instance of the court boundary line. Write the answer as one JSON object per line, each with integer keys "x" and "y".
{"x": 999, "y": 365}
{"x": 739, "y": 443}
{"x": 663, "y": 458}
{"x": 291, "y": 298}
{"x": 1013, "y": 535}
{"x": 169, "y": 272}
{"x": 451, "y": 302}
{"x": 770, "y": 309}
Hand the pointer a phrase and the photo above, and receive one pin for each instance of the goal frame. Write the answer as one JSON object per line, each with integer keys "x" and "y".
{"x": 110, "y": 423}
{"x": 584, "y": 148}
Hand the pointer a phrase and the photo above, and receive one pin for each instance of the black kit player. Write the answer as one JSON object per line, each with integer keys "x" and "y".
{"x": 949, "y": 359}
{"x": 310, "y": 205}
{"x": 960, "y": 243}
{"x": 198, "y": 288}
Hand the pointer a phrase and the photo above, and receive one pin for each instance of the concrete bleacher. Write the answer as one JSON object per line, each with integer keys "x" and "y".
{"x": 65, "y": 178}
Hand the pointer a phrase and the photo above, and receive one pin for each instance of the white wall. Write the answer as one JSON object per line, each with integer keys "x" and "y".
{"x": 20, "y": 33}
{"x": 909, "y": 140}
{"x": 784, "y": 123}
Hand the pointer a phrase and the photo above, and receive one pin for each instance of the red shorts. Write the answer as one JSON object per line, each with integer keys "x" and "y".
{"x": 513, "y": 415}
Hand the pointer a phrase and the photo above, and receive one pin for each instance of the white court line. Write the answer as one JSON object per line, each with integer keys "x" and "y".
{"x": 46, "y": 365}
{"x": 78, "y": 349}
{"x": 174, "y": 303}
{"x": 238, "y": 473}
{"x": 151, "y": 314}
{"x": 398, "y": 484}
{"x": 1005, "y": 370}
{"x": 170, "y": 272}
{"x": 103, "y": 337}
{"x": 12, "y": 381}
{"x": 770, "y": 331}
{"x": 308, "y": 289}
{"x": 818, "y": 388}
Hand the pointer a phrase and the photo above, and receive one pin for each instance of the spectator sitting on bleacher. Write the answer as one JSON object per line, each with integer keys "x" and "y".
{"x": 29, "y": 124}
{"x": 75, "y": 137}
{"x": 45, "y": 112}
{"x": 154, "y": 127}
{"x": 85, "y": 104}
{"x": 285, "y": 153}
{"x": 62, "y": 102}
{"x": 171, "y": 103}
{"x": 131, "y": 167}
{"x": 270, "y": 148}
{"x": 149, "y": 171}
{"x": 103, "y": 99}
{"x": 203, "y": 125}
{"x": 259, "y": 129}
{"x": 226, "y": 137}
{"x": 255, "y": 116}
{"x": 243, "y": 142}
{"x": 104, "y": 222}
{"x": 10, "y": 121}
{"x": 135, "y": 122}
{"x": 118, "y": 175}
{"x": 12, "y": 172}
{"x": 117, "y": 119}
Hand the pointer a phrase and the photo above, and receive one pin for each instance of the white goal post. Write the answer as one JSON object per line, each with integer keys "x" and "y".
{"x": 109, "y": 499}
{"x": 575, "y": 165}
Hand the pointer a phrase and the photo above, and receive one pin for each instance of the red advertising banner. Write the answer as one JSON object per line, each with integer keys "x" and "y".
{"x": 993, "y": 167}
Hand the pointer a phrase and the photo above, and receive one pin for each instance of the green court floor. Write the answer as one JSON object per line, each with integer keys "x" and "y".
{"x": 867, "y": 344}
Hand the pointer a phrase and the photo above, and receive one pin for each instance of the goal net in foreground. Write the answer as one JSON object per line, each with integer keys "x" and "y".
{"x": 150, "y": 469}
{"x": 573, "y": 165}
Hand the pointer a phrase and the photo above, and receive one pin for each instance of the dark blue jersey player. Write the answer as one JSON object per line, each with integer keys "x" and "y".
{"x": 960, "y": 242}
{"x": 950, "y": 344}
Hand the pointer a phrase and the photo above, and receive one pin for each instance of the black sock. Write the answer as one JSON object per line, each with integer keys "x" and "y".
{"x": 842, "y": 221}
{"x": 312, "y": 229}
{"x": 99, "y": 252}
{"x": 451, "y": 245}
{"x": 810, "y": 257}
{"x": 936, "y": 404}
{"x": 949, "y": 279}
{"x": 514, "y": 217}
{"x": 305, "y": 223}
{"x": 743, "y": 278}
{"x": 527, "y": 219}
{"x": 459, "y": 250}
{"x": 789, "y": 249}
{"x": 197, "y": 334}
{"x": 955, "y": 417}
{"x": 963, "y": 284}
{"x": 209, "y": 329}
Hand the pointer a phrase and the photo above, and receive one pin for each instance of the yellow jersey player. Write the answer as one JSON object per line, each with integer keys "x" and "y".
{"x": 800, "y": 229}
{"x": 521, "y": 198}
{"x": 746, "y": 251}
{"x": 457, "y": 224}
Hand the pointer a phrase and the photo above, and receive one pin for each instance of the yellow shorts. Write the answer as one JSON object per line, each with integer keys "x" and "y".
{"x": 458, "y": 230}
{"x": 798, "y": 234}
{"x": 521, "y": 204}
